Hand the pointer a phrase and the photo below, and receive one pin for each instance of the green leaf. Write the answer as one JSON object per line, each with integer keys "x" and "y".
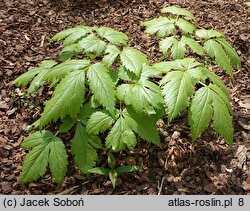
{"x": 161, "y": 26}
{"x": 208, "y": 34}
{"x": 222, "y": 95}
{"x": 95, "y": 142}
{"x": 112, "y": 53}
{"x": 178, "y": 11}
{"x": 67, "y": 124}
{"x": 133, "y": 59}
{"x": 178, "y": 49}
{"x": 57, "y": 159}
{"x": 196, "y": 70}
{"x": 200, "y": 112}
{"x": 164, "y": 67}
{"x": 177, "y": 88}
{"x": 127, "y": 169}
{"x": 113, "y": 36}
{"x": 193, "y": 44}
{"x": 222, "y": 120}
{"x": 61, "y": 70}
{"x": 92, "y": 44}
{"x": 217, "y": 81}
{"x": 37, "y": 81}
{"x": 75, "y": 37}
{"x": 111, "y": 160}
{"x": 100, "y": 171}
{"x": 145, "y": 92}
{"x": 102, "y": 86}
{"x": 120, "y": 136}
{"x": 85, "y": 155}
{"x": 69, "y": 51}
{"x": 27, "y": 77}
{"x": 113, "y": 177}
{"x": 215, "y": 50}
{"x": 144, "y": 126}
{"x": 35, "y": 164}
{"x": 71, "y": 90}
{"x": 185, "y": 25}
{"x": 36, "y": 139}
{"x": 207, "y": 101}
{"x": 126, "y": 75}
{"x": 99, "y": 122}
{"x": 47, "y": 149}
{"x": 86, "y": 112}
{"x": 149, "y": 72}
{"x": 166, "y": 44}
{"x": 72, "y": 34}
{"x": 231, "y": 53}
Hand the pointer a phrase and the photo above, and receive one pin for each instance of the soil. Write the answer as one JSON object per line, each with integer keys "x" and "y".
{"x": 207, "y": 167}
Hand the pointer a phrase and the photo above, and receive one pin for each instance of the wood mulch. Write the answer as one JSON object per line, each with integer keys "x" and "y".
{"x": 207, "y": 167}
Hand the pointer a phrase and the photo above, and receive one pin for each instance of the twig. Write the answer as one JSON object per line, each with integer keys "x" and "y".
{"x": 163, "y": 178}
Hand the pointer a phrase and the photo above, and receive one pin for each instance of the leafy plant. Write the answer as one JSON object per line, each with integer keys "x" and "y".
{"x": 107, "y": 95}
{"x": 187, "y": 83}
{"x": 178, "y": 34}
{"x": 97, "y": 87}
{"x": 113, "y": 172}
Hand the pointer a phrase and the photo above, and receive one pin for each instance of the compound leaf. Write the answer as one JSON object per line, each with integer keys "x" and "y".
{"x": 84, "y": 153}
{"x": 178, "y": 11}
{"x": 177, "y": 88}
{"x": 92, "y": 44}
{"x": 99, "y": 122}
{"x": 133, "y": 60}
{"x": 113, "y": 36}
{"x": 143, "y": 125}
{"x": 102, "y": 85}
{"x": 161, "y": 26}
{"x": 71, "y": 90}
{"x": 47, "y": 149}
{"x": 120, "y": 136}
{"x": 208, "y": 101}
{"x": 145, "y": 92}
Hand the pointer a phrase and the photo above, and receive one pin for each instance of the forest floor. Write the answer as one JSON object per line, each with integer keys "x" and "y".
{"x": 207, "y": 167}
